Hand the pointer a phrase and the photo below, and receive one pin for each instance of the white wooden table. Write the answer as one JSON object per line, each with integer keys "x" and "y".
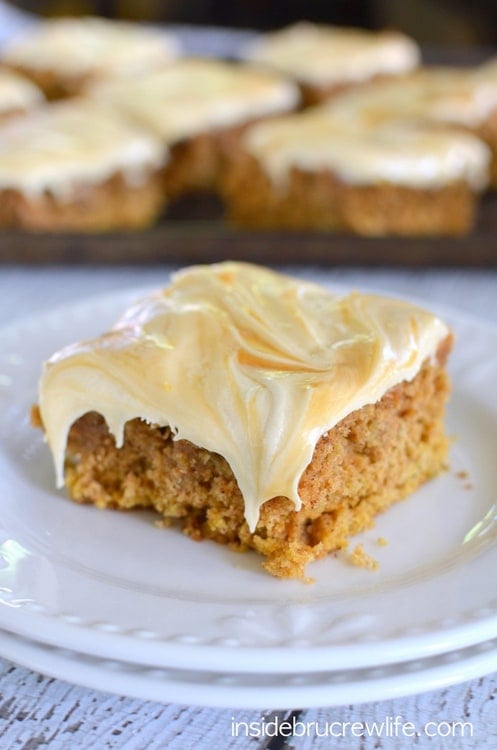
{"x": 38, "y": 712}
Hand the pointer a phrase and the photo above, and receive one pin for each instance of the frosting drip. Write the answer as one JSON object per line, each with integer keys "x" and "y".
{"x": 17, "y": 92}
{"x": 193, "y": 96}
{"x": 324, "y": 55}
{"x": 64, "y": 145}
{"x": 406, "y": 153}
{"x": 244, "y": 362}
{"x": 91, "y": 45}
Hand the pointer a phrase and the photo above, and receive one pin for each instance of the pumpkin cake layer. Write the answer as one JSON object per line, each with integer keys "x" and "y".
{"x": 374, "y": 457}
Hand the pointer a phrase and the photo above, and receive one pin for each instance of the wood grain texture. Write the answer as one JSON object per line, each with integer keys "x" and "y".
{"x": 38, "y": 712}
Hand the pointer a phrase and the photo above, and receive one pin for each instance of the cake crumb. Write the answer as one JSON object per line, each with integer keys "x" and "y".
{"x": 360, "y": 557}
{"x": 382, "y": 541}
{"x": 463, "y": 475}
{"x": 163, "y": 523}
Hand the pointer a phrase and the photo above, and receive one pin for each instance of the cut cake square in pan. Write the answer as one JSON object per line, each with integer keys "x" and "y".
{"x": 77, "y": 166}
{"x": 199, "y": 108}
{"x": 317, "y": 171}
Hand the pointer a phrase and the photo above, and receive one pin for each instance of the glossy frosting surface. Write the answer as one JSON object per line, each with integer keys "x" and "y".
{"x": 323, "y": 55}
{"x": 237, "y": 359}
{"x": 66, "y": 144}
{"x": 401, "y": 152}
{"x": 462, "y": 96}
{"x": 79, "y": 46}
{"x": 196, "y": 95}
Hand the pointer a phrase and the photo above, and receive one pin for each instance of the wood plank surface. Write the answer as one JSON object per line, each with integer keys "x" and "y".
{"x": 39, "y": 712}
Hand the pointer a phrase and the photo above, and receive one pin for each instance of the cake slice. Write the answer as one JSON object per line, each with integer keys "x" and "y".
{"x": 253, "y": 409}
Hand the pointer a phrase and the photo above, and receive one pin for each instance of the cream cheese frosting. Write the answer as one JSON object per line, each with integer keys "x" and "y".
{"x": 404, "y": 153}
{"x": 64, "y": 145}
{"x": 17, "y": 93}
{"x": 82, "y": 46}
{"x": 325, "y": 55}
{"x": 242, "y": 361}
{"x": 196, "y": 95}
{"x": 461, "y": 96}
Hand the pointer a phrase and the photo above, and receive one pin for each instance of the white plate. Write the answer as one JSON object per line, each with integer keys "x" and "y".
{"x": 253, "y": 691}
{"x": 113, "y": 585}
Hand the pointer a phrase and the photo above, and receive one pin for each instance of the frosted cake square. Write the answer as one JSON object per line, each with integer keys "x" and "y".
{"x": 318, "y": 171}
{"x": 252, "y": 409}
{"x": 198, "y": 108}
{"x": 77, "y": 166}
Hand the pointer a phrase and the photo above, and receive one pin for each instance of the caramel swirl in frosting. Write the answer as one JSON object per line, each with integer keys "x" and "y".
{"x": 242, "y": 361}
